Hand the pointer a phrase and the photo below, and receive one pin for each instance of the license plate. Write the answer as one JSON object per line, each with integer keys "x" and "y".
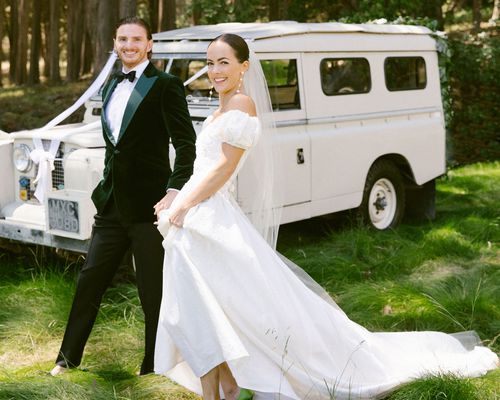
{"x": 63, "y": 215}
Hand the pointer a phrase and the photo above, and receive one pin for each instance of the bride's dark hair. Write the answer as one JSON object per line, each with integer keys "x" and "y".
{"x": 237, "y": 43}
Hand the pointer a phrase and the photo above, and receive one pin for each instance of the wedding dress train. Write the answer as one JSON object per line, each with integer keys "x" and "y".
{"x": 228, "y": 296}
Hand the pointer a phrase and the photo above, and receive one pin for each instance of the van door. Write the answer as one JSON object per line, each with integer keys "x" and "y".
{"x": 339, "y": 88}
{"x": 286, "y": 88}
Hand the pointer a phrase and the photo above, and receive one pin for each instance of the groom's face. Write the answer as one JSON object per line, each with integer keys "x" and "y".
{"x": 132, "y": 45}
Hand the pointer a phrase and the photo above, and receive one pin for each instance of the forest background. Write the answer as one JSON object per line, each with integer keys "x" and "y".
{"x": 47, "y": 43}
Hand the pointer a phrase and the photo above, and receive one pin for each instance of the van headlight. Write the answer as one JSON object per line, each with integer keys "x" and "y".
{"x": 22, "y": 159}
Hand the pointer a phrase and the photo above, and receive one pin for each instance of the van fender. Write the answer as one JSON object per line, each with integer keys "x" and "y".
{"x": 383, "y": 203}
{"x": 6, "y": 171}
{"x": 416, "y": 201}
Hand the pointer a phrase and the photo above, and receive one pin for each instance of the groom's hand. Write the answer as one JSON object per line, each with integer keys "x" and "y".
{"x": 165, "y": 202}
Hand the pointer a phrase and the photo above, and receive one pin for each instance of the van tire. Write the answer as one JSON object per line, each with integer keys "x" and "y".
{"x": 383, "y": 202}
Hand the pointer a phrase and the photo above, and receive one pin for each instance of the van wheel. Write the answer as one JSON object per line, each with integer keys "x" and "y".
{"x": 383, "y": 197}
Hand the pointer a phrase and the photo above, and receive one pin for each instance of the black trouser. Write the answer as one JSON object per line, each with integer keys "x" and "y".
{"x": 110, "y": 239}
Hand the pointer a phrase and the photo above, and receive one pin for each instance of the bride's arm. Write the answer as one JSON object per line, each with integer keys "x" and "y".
{"x": 214, "y": 180}
{"x": 223, "y": 170}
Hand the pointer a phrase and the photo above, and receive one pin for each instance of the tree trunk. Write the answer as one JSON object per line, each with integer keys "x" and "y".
{"x": 274, "y": 10}
{"x": 434, "y": 10}
{"x": 107, "y": 18}
{"x": 45, "y": 38}
{"x": 278, "y": 10}
{"x": 36, "y": 43}
{"x": 167, "y": 15}
{"x": 476, "y": 13}
{"x": 75, "y": 39}
{"x": 284, "y": 9}
{"x": 197, "y": 11}
{"x": 153, "y": 15}
{"x": 438, "y": 13}
{"x": 21, "y": 64}
{"x": 13, "y": 38}
{"x": 2, "y": 31}
{"x": 128, "y": 8}
{"x": 496, "y": 12}
{"x": 89, "y": 42}
{"x": 55, "y": 11}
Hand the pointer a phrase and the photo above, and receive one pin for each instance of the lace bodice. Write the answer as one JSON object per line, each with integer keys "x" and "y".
{"x": 234, "y": 127}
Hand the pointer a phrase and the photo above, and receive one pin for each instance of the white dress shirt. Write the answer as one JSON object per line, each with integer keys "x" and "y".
{"x": 119, "y": 99}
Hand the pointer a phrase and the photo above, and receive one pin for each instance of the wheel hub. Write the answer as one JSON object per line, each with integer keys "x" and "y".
{"x": 382, "y": 203}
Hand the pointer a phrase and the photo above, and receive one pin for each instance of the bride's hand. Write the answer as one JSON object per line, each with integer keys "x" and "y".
{"x": 164, "y": 203}
{"x": 177, "y": 216}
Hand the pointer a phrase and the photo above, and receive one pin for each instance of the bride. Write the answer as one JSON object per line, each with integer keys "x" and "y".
{"x": 234, "y": 314}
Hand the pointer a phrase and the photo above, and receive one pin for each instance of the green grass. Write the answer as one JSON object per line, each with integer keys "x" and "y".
{"x": 437, "y": 275}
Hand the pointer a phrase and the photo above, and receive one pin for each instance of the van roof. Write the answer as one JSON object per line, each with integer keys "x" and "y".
{"x": 258, "y": 31}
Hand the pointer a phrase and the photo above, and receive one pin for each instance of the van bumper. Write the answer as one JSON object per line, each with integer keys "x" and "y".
{"x": 32, "y": 235}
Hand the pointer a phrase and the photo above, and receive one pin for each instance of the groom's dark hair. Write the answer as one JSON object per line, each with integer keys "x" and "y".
{"x": 237, "y": 43}
{"x": 135, "y": 21}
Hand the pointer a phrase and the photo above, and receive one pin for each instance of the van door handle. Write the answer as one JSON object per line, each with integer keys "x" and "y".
{"x": 300, "y": 156}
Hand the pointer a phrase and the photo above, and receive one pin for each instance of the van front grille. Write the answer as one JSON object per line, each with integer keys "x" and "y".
{"x": 57, "y": 175}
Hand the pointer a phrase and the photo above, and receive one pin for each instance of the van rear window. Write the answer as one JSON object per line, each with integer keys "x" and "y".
{"x": 281, "y": 77}
{"x": 405, "y": 73}
{"x": 340, "y": 76}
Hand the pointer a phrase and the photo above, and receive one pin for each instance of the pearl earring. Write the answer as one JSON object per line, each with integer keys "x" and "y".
{"x": 241, "y": 82}
{"x": 210, "y": 93}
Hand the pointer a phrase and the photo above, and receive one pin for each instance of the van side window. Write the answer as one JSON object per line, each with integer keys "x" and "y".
{"x": 345, "y": 76}
{"x": 405, "y": 73}
{"x": 281, "y": 77}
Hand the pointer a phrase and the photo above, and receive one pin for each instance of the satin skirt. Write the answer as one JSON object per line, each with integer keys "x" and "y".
{"x": 228, "y": 296}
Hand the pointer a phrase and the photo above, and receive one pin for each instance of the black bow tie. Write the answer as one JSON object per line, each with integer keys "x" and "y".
{"x": 120, "y": 76}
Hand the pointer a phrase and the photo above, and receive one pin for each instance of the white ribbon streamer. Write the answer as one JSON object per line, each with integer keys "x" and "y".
{"x": 197, "y": 75}
{"x": 45, "y": 159}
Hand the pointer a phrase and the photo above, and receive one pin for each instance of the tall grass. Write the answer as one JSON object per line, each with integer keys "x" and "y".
{"x": 437, "y": 275}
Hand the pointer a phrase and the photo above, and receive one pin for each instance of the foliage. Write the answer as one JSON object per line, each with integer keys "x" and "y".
{"x": 473, "y": 73}
{"x": 367, "y": 10}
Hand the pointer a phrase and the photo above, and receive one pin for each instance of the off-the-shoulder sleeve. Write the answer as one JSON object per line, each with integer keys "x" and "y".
{"x": 240, "y": 129}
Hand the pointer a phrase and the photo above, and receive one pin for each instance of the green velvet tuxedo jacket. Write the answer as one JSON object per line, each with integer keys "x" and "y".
{"x": 136, "y": 167}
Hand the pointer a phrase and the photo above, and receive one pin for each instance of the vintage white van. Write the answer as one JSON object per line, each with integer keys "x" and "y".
{"x": 359, "y": 118}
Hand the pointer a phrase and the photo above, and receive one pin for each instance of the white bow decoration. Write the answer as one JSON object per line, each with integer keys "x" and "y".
{"x": 45, "y": 161}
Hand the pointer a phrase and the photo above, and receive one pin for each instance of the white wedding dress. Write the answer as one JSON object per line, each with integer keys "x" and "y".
{"x": 228, "y": 296}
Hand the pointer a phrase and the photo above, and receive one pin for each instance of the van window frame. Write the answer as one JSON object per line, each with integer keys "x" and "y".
{"x": 405, "y": 89}
{"x": 299, "y": 92}
{"x": 370, "y": 85}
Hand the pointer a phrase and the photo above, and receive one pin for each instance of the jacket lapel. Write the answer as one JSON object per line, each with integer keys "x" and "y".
{"x": 104, "y": 121}
{"x": 140, "y": 91}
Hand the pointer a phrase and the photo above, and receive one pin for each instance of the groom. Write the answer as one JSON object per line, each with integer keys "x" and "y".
{"x": 143, "y": 109}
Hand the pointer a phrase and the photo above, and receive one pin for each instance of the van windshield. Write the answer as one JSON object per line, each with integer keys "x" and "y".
{"x": 185, "y": 68}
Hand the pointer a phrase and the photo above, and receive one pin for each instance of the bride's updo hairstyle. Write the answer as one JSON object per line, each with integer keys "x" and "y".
{"x": 237, "y": 43}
